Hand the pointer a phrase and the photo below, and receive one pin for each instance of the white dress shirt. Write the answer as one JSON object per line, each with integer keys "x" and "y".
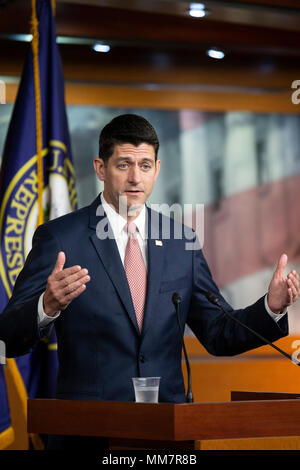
{"x": 118, "y": 224}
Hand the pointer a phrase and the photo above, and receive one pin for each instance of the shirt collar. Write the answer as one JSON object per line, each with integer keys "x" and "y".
{"x": 118, "y": 223}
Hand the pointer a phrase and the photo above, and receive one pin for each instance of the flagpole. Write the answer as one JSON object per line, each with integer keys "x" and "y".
{"x": 38, "y": 110}
{"x": 53, "y": 7}
{"x": 26, "y": 149}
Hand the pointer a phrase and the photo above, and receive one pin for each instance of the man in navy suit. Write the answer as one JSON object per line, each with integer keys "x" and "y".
{"x": 74, "y": 277}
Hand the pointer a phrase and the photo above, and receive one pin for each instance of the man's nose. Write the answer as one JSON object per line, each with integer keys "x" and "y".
{"x": 134, "y": 174}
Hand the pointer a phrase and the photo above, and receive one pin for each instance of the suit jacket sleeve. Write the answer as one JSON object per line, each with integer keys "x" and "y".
{"x": 219, "y": 334}
{"x": 19, "y": 320}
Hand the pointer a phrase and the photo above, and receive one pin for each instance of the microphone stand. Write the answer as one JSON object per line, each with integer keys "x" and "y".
{"x": 212, "y": 298}
{"x": 176, "y": 299}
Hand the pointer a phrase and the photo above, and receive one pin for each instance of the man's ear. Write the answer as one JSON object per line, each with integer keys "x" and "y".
{"x": 99, "y": 167}
{"x": 157, "y": 168}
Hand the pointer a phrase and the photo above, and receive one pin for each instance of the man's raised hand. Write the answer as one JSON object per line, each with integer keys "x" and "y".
{"x": 283, "y": 291}
{"x": 63, "y": 285}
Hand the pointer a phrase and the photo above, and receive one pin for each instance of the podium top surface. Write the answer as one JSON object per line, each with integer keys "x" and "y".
{"x": 165, "y": 421}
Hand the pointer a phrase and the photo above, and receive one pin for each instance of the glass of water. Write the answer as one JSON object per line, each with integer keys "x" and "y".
{"x": 146, "y": 389}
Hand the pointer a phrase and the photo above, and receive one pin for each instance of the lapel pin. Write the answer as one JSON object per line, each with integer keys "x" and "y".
{"x": 158, "y": 243}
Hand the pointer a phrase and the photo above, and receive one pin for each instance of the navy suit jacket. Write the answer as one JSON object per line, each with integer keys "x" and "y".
{"x": 100, "y": 347}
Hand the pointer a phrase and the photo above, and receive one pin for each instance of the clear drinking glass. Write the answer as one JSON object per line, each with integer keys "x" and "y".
{"x": 146, "y": 389}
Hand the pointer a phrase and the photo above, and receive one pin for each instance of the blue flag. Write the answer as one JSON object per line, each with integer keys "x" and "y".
{"x": 36, "y": 184}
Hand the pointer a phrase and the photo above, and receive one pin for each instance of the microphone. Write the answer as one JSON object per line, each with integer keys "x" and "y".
{"x": 176, "y": 299}
{"x": 212, "y": 298}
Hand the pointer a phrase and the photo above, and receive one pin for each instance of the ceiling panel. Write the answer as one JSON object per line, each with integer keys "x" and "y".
{"x": 256, "y": 35}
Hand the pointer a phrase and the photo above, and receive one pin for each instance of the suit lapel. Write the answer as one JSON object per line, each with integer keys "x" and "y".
{"x": 107, "y": 251}
{"x": 156, "y": 254}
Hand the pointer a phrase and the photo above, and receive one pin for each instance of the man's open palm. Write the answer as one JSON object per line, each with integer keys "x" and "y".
{"x": 283, "y": 291}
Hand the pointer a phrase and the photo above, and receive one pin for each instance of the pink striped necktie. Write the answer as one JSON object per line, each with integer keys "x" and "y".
{"x": 136, "y": 273}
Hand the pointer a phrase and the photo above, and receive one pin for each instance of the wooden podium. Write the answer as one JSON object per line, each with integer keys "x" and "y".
{"x": 167, "y": 425}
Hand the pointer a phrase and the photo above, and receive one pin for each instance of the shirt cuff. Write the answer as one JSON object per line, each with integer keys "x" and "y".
{"x": 43, "y": 318}
{"x": 275, "y": 316}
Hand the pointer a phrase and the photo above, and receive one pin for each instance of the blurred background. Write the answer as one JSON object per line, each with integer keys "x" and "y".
{"x": 218, "y": 82}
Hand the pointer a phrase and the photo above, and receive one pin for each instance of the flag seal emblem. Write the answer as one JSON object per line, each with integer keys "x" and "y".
{"x": 18, "y": 217}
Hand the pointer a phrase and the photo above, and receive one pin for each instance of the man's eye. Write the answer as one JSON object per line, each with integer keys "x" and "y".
{"x": 145, "y": 166}
{"x": 123, "y": 165}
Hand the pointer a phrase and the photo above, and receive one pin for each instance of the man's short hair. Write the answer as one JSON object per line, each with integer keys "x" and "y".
{"x": 126, "y": 129}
